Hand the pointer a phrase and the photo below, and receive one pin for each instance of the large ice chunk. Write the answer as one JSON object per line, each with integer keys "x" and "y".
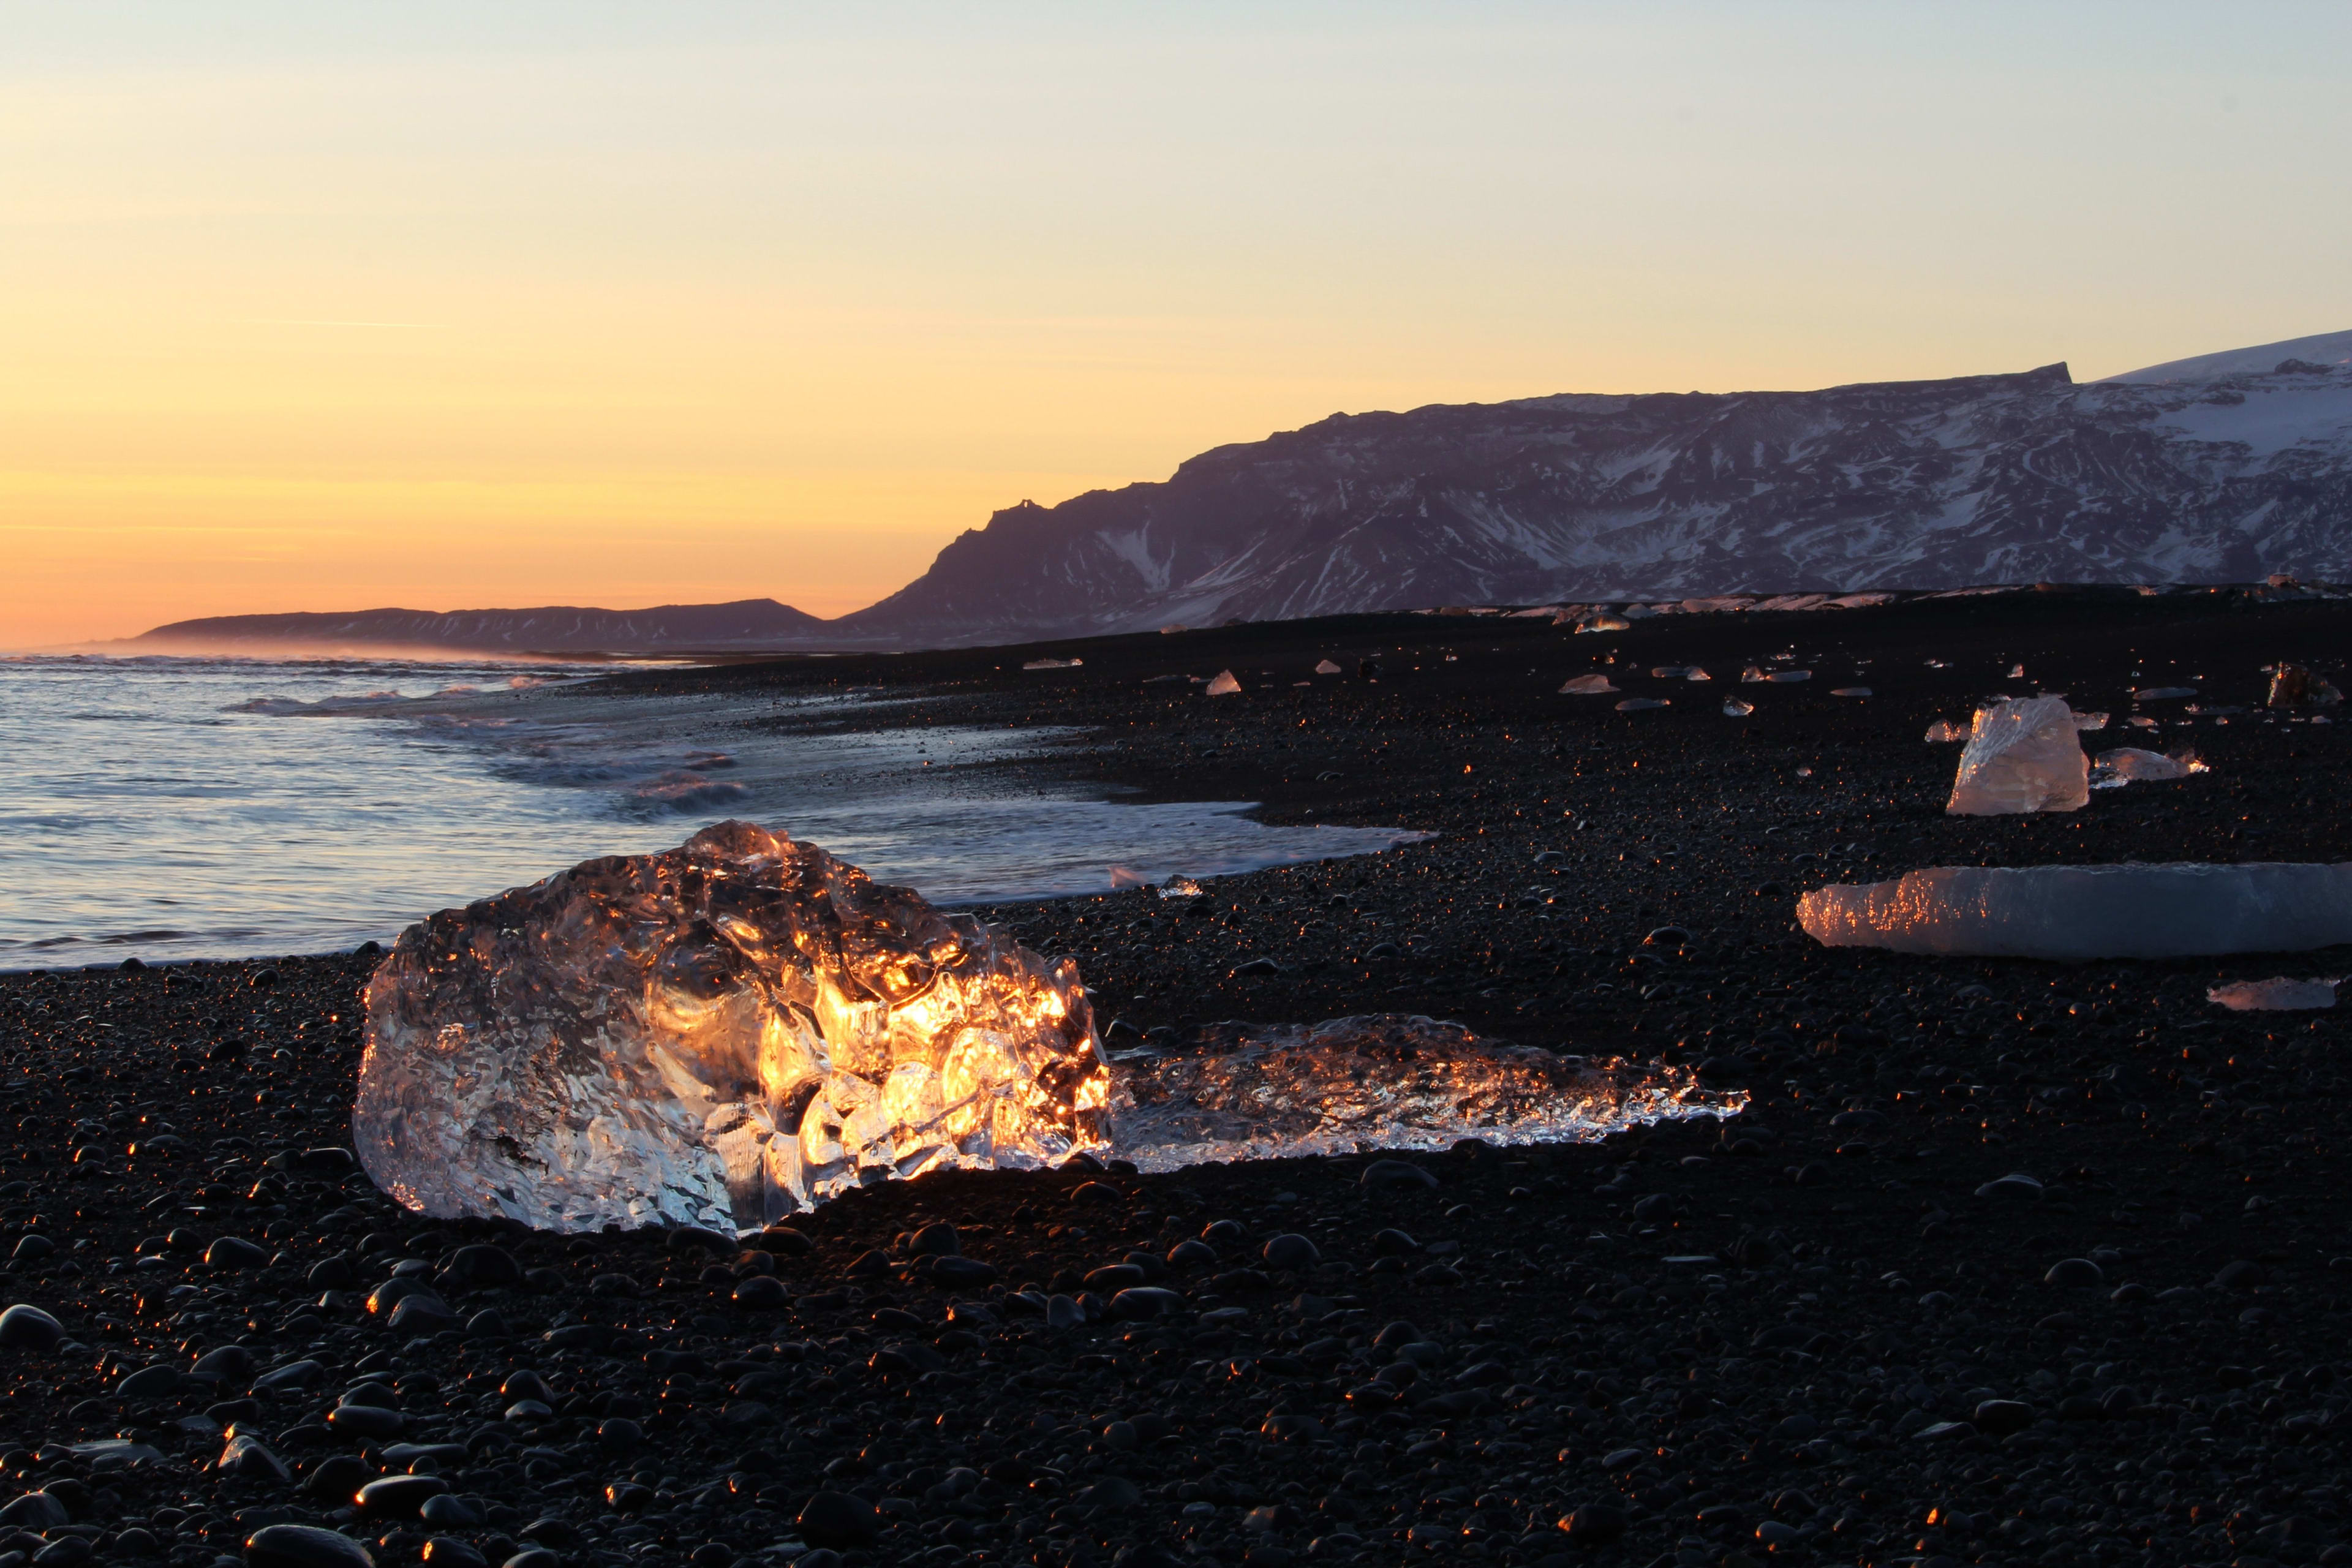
{"x": 2022, "y": 755}
{"x": 2280, "y": 995}
{"x": 2130, "y": 911}
{"x": 1380, "y": 1081}
{"x": 716, "y": 1034}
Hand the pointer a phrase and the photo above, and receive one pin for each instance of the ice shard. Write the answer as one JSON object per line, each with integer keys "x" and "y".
{"x": 2128, "y": 911}
{"x": 1380, "y": 1081}
{"x": 2021, "y": 756}
{"x": 714, "y": 1035}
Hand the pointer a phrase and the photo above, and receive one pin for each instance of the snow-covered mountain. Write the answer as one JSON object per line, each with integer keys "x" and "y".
{"x": 2325, "y": 349}
{"x": 2219, "y": 470}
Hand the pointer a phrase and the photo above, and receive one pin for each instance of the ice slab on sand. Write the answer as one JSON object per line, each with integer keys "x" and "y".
{"x": 2021, "y": 756}
{"x": 729, "y": 1032}
{"x": 1379, "y": 1081}
{"x": 2128, "y": 911}
{"x": 2277, "y": 995}
{"x": 716, "y": 1034}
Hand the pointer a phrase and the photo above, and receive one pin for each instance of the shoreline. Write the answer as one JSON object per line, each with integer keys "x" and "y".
{"x": 1777, "y": 1336}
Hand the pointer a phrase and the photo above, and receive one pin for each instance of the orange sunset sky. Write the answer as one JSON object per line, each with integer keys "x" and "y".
{"x": 321, "y": 306}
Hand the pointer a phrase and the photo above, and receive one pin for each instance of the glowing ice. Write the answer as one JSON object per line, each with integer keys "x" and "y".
{"x": 1385, "y": 1080}
{"x": 2276, "y": 995}
{"x": 2128, "y": 911}
{"x": 1225, "y": 685}
{"x": 2021, "y": 756}
{"x": 716, "y": 1034}
{"x": 1586, "y": 686}
{"x": 2131, "y": 764}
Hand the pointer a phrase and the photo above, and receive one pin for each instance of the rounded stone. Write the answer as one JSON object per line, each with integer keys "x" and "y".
{"x": 482, "y": 1264}
{"x": 234, "y": 1252}
{"x": 1395, "y": 1174}
{"x": 2000, "y": 1417}
{"x": 839, "y": 1521}
{"x": 364, "y": 1421}
{"x": 764, "y": 1292}
{"x": 2075, "y": 1273}
{"x": 1594, "y": 1524}
{"x": 336, "y": 1479}
{"x": 1290, "y": 1250}
{"x": 149, "y": 1382}
{"x": 24, "y": 1327}
{"x": 398, "y": 1497}
{"x": 304, "y": 1546}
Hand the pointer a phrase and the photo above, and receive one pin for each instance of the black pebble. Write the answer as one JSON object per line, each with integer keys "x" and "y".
{"x": 303, "y": 1546}
{"x": 837, "y": 1519}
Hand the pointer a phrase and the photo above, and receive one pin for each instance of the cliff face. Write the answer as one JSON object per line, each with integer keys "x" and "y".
{"x": 1999, "y": 479}
{"x": 2202, "y": 470}
{"x": 746, "y": 623}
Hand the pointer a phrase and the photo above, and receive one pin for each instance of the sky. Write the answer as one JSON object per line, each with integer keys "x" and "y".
{"x": 330, "y": 306}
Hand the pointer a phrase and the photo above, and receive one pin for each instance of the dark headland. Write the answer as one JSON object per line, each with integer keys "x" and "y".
{"x": 1826, "y": 1331}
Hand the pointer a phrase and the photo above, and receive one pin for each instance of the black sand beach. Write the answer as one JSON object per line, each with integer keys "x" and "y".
{"x": 1825, "y": 1331}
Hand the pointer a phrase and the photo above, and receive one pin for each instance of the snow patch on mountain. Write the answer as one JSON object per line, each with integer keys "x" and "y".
{"x": 2332, "y": 349}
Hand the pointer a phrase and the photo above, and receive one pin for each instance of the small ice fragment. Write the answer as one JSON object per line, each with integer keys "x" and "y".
{"x": 1225, "y": 685}
{"x": 2127, "y": 911}
{"x": 1326, "y": 666}
{"x": 1695, "y": 673}
{"x": 1054, "y": 664}
{"x": 2144, "y": 723}
{"x": 1669, "y": 673}
{"x": 2293, "y": 685}
{"x": 2158, "y": 693}
{"x": 2021, "y": 756}
{"x": 1734, "y": 709}
{"x": 1751, "y": 675}
{"x": 1785, "y": 676}
{"x": 1123, "y": 877}
{"x": 1804, "y": 773}
{"x": 1638, "y": 704}
{"x": 2017, "y": 672}
{"x": 1850, "y": 691}
{"x": 1586, "y": 686}
{"x": 1939, "y": 664}
{"x": 1180, "y": 888}
{"x": 2277, "y": 995}
{"x": 1942, "y": 730}
{"x": 2130, "y": 764}
{"x": 1604, "y": 624}
{"x": 2090, "y": 720}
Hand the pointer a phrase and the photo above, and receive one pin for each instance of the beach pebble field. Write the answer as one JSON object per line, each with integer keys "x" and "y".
{"x": 2006, "y": 1262}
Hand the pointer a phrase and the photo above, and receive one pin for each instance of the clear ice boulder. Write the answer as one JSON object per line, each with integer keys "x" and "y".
{"x": 716, "y": 1035}
{"x": 2021, "y": 756}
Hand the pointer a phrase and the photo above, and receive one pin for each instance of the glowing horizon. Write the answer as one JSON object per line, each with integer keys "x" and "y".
{"x": 328, "y": 309}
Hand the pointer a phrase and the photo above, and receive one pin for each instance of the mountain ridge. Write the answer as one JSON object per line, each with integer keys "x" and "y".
{"x": 552, "y": 628}
{"x": 2216, "y": 468}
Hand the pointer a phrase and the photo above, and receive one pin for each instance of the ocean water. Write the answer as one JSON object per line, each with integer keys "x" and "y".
{"x": 185, "y": 807}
